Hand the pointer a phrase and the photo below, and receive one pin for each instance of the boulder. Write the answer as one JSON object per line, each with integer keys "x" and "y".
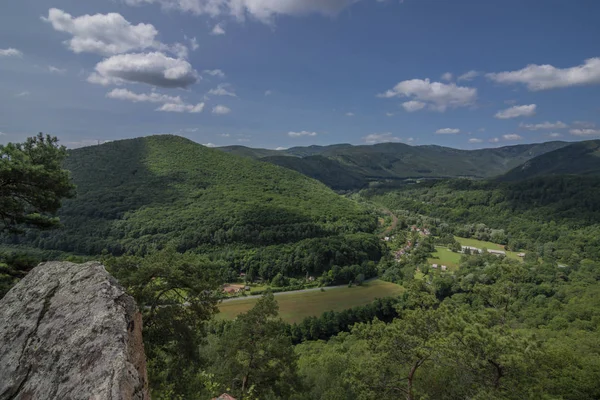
{"x": 69, "y": 331}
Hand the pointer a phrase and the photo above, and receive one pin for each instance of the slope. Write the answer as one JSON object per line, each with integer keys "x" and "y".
{"x": 142, "y": 194}
{"x": 582, "y": 158}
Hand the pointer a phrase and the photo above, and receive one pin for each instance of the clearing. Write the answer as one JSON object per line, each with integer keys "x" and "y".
{"x": 480, "y": 244}
{"x": 443, "y": 256}
{"x": 295, "y": 306}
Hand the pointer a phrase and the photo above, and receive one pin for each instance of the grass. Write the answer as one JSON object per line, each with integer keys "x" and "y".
{"x": 295, "y": 306}
{"x": 488, "y": 245}
{"x": 443, "y": 256}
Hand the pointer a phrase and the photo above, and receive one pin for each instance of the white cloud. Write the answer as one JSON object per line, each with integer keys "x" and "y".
{"x": 221, "y": 110}
{"x": 447, "y": 76}
{"x": 517, "y": 111}
{"x": 446, "y": 131}
{"x": 222, "y": 90}
{"x": 268, "y": 92}
{"x": 10, "y": 52}
{"x": 554, "y": 135}
{"x": 543, "y": 77}
{"x": 214, "y": 72}
{"x": 224, "y": 134}
{"x": 349, "y": 114}
{"x": 2, "y": 134}
{"x": 436, "y": 95}
{"x": 381, "y": 138}
{"x": 544, "y": 125}
{"x": 389, "y": 114}
{"x": 585, "y": 132}
{"x": 243, "y": 140}
{"x": 510, "y": 102}
{"x": 193, "y": 43}
{"x": 24, "y": 93}
{"x": 468, "y": 76}
{"x": 494, "y": 140}
{"x": 179, "y": 108}
{"x": 210, "y": 145}
{"x": 281, "y": 148}
{"x": 105, "y": 34}
{"x": 413, "y": 105}
{"x": 584, "y": 124}
{"x": 218, "y": 30}
{"x": 124, "y": 94}
{"x": 56, "y": 70}
{"x": 302, "y": 133}
{"x": 154, "y": 69}
{"x": 263, "y": 10}
{"x": 512, "y": 137}
{"x": 475, "y": 140}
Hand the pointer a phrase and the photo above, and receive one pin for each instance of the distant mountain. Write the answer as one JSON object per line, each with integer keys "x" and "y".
{"x": 581, "y": 158}
{"x": 353, "y": 167}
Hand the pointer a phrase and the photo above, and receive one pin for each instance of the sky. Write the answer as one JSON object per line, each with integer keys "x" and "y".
{"x": 281, "y": 73}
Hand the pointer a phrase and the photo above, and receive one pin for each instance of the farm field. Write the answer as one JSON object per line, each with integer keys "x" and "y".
{"x": 295, "y": 306}
{"x": 443, "y": 256}
{"x": 488, "y": 245}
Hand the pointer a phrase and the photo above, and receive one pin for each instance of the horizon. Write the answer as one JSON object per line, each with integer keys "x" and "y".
{"x": 464, "y": 74}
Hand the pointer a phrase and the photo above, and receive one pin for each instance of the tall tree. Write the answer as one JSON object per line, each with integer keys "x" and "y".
{"x": 32, "y": 183}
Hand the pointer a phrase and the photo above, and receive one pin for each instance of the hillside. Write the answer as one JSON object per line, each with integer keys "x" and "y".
{"x": 355, "y": 166}
{"x": 142, "y": 194}
{"x": 582, "y": 158}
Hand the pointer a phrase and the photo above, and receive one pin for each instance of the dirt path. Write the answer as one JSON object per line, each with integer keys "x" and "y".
{"x": 393, "y": 225}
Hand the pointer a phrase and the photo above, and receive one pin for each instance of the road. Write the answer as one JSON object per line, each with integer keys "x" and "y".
{"x": 291, "y": 292}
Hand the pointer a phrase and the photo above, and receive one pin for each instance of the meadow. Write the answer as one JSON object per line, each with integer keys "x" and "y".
{"x": 295, "y": 306}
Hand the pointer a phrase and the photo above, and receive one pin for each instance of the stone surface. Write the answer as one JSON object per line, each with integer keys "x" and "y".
{"x": 69, "y": 331}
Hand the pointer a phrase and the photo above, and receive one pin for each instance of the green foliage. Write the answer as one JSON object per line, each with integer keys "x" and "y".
{"x": 141, "y": 195}
{"x": 176, "y": 293}
{"x": 254, "y": 353}
{"x": 32, "y": 183}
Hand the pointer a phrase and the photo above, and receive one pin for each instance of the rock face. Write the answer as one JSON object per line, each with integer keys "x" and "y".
{"x": 69, "y": 331}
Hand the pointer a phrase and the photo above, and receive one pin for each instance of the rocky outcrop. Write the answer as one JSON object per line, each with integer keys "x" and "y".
{"x": 69, "y": 331}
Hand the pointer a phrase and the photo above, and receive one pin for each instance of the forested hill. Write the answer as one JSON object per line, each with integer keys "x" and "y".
{"x": 352, "y": 167}
{"x": 138, "y": 195}
{"x": 582, "y": 158}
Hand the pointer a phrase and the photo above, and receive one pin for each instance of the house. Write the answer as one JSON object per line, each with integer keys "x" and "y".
{"x": 497, "y": 252}
{"x": 434, "y": 266}
{"x": 224, "y": 396}
{"x": 444, "y": 268}
{"x": 471, "y": 249}
{"x": 521, "y": 254}
{"x": 387, "y": 238}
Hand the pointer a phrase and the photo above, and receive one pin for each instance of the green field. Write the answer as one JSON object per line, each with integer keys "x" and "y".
{"x": 295, "y": 306}
{"x": 443, "y": 256}
{"x": 488, "y": 245}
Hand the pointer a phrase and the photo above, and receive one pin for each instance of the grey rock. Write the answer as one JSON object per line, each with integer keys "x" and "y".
{"x": 69, "y": 331}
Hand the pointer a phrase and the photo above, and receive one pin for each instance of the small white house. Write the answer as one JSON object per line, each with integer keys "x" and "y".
{"x": 497, "y": 252}
{"x": 434, "y": 266}
{"x": 444, "y": 268}
{"x": 387, "y": 238}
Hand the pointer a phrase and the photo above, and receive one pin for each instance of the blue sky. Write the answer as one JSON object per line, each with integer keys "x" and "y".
{"x": 283, "y": 73}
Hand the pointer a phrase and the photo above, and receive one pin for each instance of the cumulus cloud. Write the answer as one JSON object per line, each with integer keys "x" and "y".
{"x": 209, "y": 145}
{"x": 413, "y": 105}
{"x": 263, "y": 10}
{"x": 468, "y": 76}
{"x": 512, "y": 137}
{"x": 214, "y": 72}
{"x": 381, "y": 138}
{"x": 446, "y": 131}
{"x": 221, "y": 110}
{"x": 218, "y": 30}
{"x": 124, "y": 94}
{"x": 585, "y": 132}
{"x": 447, "y": 76}
{"x": 281, "y": 148}
{"x": 105, "y": 34}
{"x": 180, "y": 108}
{"x": 302, "y": 133}
{"x": 436, "y": 95}
{"x": 544, "y": 125}
{"x": 543, "y": 77}
{"x": 154, "y": 69}
{"x": 223, "y": 89}
{"x": 494, "y": 140}
{"x": 193, "y": 43}
{"x": 10, "y": 52}
{"x": 517, "y": 111}
{"x": 475, "y": 140}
